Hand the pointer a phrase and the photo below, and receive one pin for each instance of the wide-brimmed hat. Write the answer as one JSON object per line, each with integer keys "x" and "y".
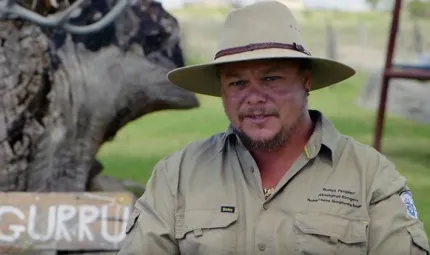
{"x": 263, "y": 30}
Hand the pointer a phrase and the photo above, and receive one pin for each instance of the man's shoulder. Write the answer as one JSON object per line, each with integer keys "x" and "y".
{"x": 344, "y": 145}
{"x": 203, "y": 149}
{"x": 207, "y": 145}
{"x": 347, "y": 148}
{"x": 364, "y": 151}
{"x": 375, "y": 163}
{"x": 379, "y": 172}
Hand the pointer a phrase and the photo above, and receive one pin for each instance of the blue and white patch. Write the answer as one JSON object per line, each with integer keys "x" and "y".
{"x": 411, "y": 210}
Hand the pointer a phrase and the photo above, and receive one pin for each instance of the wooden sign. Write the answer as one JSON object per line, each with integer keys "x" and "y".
{"x": 63, "y": 221}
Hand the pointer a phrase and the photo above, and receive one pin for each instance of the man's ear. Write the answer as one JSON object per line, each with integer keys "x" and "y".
{"x": 307, "y": 81}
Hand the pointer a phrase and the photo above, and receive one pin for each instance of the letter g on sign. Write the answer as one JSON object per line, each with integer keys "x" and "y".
{"x": 16, "y": 229}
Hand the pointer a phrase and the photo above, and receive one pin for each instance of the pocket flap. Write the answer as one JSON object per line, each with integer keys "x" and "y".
{"x": 346, "y": 230}
{"x": 204, "y": 219}
{"x": 419, "y": 236}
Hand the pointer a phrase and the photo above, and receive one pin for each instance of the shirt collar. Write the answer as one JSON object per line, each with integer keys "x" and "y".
{"x": 228, "y": 135}
{"x": 323, "y": 140}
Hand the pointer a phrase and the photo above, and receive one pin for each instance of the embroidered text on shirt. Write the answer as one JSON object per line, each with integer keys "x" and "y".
{"x": 337, "y": 196}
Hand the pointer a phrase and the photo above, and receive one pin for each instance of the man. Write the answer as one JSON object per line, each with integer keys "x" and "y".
{"x": 281, "y": 179}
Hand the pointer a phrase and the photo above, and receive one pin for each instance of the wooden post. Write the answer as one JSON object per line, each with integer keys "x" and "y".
{"x": 331, "y": 41}
{"x": 362, "y": 34}
{"x": 418, "y": 38}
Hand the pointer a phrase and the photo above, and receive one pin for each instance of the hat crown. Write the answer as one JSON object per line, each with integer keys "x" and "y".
{"x": 262, "y": 22}
{"x": 264, "y": 30}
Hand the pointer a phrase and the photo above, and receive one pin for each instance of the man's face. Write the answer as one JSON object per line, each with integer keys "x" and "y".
{"x": 264, "y": 100}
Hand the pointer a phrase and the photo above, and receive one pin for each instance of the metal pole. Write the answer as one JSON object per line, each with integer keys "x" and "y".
{"x": 385, "y": 76}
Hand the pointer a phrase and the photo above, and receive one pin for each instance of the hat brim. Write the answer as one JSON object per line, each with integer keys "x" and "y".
{"x": 203, "y": 79}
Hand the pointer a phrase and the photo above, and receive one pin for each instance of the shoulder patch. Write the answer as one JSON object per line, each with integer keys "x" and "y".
{"x": 411, "y": 210}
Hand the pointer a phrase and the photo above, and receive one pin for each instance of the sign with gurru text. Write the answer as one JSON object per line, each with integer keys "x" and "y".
{"x": 64, "y": 221}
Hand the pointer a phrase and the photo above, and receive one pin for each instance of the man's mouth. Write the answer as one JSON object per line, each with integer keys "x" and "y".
{"x": 257, "y": 116}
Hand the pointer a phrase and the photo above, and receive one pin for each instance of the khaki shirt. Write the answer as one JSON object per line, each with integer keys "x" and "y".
{"x": 339, "y": 197}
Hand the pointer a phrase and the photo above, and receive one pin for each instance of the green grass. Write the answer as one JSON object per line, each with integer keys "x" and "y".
{"x": 141, "y": 143}
{"x": 138, "y": 146}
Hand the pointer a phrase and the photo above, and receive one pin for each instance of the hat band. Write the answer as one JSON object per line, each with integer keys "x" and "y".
{"x": 261, "y": 46}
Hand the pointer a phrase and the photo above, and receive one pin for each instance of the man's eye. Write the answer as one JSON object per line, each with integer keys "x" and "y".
{"x": 271, "y": 78}
{"x": 237, "y": 83}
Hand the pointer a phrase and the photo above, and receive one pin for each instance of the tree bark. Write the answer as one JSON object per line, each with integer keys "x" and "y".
{"x": 63, "y": 95}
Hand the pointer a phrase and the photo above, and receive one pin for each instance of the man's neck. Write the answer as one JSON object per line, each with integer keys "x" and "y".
{"x": 266, "y": 160}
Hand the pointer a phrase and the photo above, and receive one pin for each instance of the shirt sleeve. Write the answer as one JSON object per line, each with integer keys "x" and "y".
{"x": 151, "y": 226}
{"x": 394, "y": 224}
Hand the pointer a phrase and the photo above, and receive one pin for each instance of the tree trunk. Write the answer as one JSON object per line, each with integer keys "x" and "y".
{"x": 64, "y": 95}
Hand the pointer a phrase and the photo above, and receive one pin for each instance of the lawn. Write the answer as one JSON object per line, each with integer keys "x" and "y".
{"x": 138, "y": 146}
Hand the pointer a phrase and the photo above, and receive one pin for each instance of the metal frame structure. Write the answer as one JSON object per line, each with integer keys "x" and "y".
{"x": 391, "y": 72}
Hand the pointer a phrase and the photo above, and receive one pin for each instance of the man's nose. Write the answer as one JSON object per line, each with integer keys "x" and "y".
{"x": 255, "y": 93}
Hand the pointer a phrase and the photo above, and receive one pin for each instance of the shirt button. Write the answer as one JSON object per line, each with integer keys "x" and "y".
{"x": 262, "y": 246}
{"x": 265, "y": 206}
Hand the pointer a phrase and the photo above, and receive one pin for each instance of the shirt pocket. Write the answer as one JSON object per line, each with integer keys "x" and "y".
{"x": 206, "y": 232}
{"x": 327, "y": 234}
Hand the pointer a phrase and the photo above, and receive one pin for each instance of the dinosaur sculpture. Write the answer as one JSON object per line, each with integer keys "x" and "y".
{"x": 72, "y": 75}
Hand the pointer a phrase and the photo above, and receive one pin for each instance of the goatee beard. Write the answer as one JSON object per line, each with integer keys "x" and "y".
{"x": 277, "y": 141}
{"x": 268, "y": 145}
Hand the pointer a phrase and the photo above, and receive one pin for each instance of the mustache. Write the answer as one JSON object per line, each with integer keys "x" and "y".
{"x": 258, "y": 111}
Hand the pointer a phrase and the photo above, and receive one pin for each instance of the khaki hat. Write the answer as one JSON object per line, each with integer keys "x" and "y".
{"x": 264, "y": 30}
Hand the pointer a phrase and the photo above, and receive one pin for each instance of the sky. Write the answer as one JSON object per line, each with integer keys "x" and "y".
{"x": 338, "y": 4}
{"x": 351, "y": 5}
